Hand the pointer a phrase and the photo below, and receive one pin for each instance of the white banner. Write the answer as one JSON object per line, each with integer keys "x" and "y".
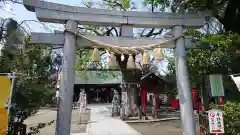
{"x": 236, "y": 79}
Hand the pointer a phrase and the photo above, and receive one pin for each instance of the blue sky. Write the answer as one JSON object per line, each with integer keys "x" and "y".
{"x": 19, "y": 13}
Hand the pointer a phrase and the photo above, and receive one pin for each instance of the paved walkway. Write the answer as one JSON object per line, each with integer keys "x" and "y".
{"x": 110, "y": 126}
{"x": 101, "y": 123}
{"x": 100, "y": 112}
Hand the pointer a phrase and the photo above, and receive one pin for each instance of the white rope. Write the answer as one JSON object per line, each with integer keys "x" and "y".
{"x": 122, "y": 50}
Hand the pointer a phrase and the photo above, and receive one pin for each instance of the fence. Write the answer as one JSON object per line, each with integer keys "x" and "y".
{"x": 204, "y": 124}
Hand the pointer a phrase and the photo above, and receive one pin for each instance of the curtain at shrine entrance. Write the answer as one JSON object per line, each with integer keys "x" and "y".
{"x": 5, "y": 86}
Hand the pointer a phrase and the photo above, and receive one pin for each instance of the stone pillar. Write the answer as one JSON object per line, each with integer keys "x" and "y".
{"x": 83, "y": 101}
{"x": 63, "y": 123}
{"x": 116, "y": 104}
{"x": 123, "y": 102}
{"x": 184, "y": 93}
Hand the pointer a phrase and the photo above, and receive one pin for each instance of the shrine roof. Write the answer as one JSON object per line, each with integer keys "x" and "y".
{"x": 98, "y": 77}
{"x": 154, "y": 76}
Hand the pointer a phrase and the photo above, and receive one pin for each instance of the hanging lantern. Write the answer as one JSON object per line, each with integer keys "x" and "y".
{"x": 122, "y": 57}
{"x": 221, "y": 101}
{"x": 112, "y": 63}
{"x": 159, "y": 54}
{"x": 145, "y": 58}
{"x": 95, "y": 54}
{"x": 131, "y": 63}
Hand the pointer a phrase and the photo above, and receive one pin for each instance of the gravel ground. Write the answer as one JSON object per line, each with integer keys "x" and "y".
{"x": 153, "y": 128}
{"x": 47, "y": 115}
{"x": 164, "y": 128}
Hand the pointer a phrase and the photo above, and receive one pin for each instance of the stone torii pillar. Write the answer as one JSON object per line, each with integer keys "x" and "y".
{"x": 183, "y": 85}
{"x": 64, "y": 114}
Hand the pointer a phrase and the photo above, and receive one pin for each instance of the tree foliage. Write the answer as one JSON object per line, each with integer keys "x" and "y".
{"x": 226, "y": 11}
{"x": 231, "y": 117}
{"x": 34, "y": 85}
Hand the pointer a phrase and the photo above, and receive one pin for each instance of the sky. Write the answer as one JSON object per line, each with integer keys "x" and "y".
{"x": 19, "y": 13}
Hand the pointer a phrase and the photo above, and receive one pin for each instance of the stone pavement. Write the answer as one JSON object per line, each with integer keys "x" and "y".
{"x": 100, "y": 112}
{"x": 102, "y": 123}
{"x": 110, "y": 126}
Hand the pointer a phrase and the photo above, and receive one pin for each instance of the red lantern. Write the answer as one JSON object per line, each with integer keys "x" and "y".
{"x": 220, "y": 100}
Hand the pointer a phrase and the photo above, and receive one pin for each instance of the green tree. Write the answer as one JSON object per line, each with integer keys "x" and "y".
{"x": 225, "y": 11}
{"x": 32, "y": 64}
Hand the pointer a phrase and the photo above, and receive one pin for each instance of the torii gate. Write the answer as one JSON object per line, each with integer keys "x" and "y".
{"x": 72, "y": 16}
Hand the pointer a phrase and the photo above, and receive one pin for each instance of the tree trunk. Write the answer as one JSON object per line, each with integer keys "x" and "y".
{"x": 130, "y": 79}
{"x": 132, "y": 100}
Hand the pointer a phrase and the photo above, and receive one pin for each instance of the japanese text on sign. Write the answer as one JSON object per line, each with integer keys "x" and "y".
{"x": 215, "y": 121}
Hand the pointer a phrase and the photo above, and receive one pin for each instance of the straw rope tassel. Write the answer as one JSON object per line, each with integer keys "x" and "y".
{"x": 112, "y": 63}
{"x": 130, "y": 63}
{"x": 122, "y": 57}
{"x": 145, "y": 58}
{"x": 95, "y": 55}
{"x": 159, "y": 54}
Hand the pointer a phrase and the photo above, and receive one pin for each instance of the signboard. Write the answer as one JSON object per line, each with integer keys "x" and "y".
{"x": 215, "y": 118}
{"x": 216, "y": 84}
{"x": 236, "y": 79}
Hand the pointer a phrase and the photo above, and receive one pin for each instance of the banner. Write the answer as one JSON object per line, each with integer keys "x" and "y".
{"x": 5, "y": 86}
{"x": 216, "y": 84}
{"x": 236, "y": 79}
